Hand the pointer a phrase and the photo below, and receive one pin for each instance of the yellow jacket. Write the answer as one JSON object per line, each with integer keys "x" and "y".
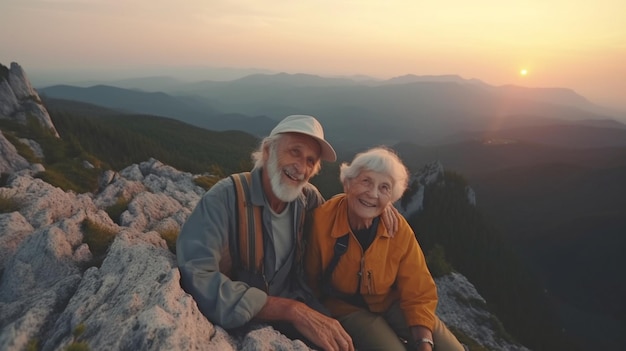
{"x": 392, "y": 268}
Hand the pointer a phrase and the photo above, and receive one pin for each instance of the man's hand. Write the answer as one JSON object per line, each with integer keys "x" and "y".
{"x": 323, "y": 331}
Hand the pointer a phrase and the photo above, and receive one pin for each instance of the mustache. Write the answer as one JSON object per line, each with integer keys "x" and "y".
{"x": 292, "y": 172}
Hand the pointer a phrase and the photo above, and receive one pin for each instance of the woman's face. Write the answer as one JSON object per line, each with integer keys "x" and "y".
{"x": 368, "y": 194}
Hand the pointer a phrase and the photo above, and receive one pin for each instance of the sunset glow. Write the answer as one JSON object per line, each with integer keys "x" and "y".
{"x": 583, "y": 49}
{"x": 523, "y": 72}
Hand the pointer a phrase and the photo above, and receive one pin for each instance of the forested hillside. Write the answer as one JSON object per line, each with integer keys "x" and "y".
{"x": 478, "y": 251}
{"x": 94, "y": 139}
{"x": 122, "y": 139}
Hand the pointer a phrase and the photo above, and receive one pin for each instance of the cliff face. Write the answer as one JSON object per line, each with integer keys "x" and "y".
{"x": 18, "y": 99}
{"x": 19, "y": 102}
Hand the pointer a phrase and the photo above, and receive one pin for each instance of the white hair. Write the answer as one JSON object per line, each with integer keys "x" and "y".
{"x": 257, "y": 155}
{"x": 381, "y": 160}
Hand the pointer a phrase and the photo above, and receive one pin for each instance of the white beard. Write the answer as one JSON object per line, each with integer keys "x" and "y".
{"x": 285, "y": 192}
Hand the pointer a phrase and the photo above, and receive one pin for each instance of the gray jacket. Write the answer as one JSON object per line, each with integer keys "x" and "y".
{"x": 208, "y": 232}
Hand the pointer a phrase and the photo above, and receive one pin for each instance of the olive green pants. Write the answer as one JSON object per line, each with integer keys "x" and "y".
{"x": 383, "y": 332}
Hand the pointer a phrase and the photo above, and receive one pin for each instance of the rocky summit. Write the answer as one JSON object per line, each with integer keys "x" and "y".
{"x": 52, "y": 284}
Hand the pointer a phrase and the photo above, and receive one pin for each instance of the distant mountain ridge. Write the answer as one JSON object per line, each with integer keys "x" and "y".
{"x": 408, "y": 108}
{"x": 187, "y": 109}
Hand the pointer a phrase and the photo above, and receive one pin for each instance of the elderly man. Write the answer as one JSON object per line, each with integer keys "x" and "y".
{"x": 209, "y": 251}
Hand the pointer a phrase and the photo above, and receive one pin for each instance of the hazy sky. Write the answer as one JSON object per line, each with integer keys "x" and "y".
{"x": 564, "y": 43}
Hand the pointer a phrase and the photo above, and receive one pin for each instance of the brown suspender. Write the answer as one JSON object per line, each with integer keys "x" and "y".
{"x": 250, "y": 225}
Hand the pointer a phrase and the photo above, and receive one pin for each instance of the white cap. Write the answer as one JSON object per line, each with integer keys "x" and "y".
{"x": 307, "y": 125}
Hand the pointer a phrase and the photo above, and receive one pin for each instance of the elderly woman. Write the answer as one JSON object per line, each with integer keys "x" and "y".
{"x": 377, "y": 285}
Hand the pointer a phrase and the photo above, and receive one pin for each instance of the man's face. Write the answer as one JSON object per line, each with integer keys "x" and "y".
{"x": 291, "y": 162}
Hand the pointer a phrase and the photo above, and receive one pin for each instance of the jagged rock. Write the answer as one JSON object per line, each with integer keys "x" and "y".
{"x": 44, "y": 294}
{"x": 413, "y": 200}
{"x": 471, "y": 195}
{"x": 34, "y": 169}
{"x": 119, "y": 188}
{"x": 44, "y": 204}
{"x": 138, "y": 288}
{"x": 34, "y": 146}
{"x": 147, "y": 210}
{"x": 461, "y": 306}
{"x": 266, "y": 338}
{"x": 15, "y": 228}
{"x": 18, "y": 99}
{"x": 10, "y": 160}
{"x": 105, "y": 179}
{"x": 132, "y": 172}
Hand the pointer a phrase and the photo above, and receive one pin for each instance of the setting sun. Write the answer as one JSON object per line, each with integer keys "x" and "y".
{"x": 523, "y": 72}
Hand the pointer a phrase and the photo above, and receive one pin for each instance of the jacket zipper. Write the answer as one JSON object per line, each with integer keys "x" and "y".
{"x": 361, "y": 274}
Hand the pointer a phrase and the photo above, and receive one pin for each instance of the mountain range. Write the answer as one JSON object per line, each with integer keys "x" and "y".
{"x": 421, "y": 110}
{"x": 546, "y": 164}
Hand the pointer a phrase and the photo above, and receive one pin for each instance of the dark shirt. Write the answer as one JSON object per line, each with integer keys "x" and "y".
{"x": 366, "y": 236}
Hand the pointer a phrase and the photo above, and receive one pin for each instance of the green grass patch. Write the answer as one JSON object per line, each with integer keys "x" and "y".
{"x": 78, "y": 345}
{"x": 63, "y": 158}
{"x": 437, "y": 263}
{"x": 4, "y": 179}
{"x": 99, "y": 238}
{"x": 206, "y": 182}
{"x": 21, "y": 148}
{"x": 499, "y": 329}
{"x": 8, "y": 204}
{"x": 115, "y": 211}
{"x": 71, "y": 175}
{"x": 170, "y": 236}
{"x": 33, "y": 345}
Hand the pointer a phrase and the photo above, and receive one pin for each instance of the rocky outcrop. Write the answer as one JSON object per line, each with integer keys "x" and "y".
{"x": 53, "y": 283}
{"x": 10, "y": 160}
{"x": 18, "y": 99}
{"x": 19, "y": 102}
{"x": 413, "y": 200}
